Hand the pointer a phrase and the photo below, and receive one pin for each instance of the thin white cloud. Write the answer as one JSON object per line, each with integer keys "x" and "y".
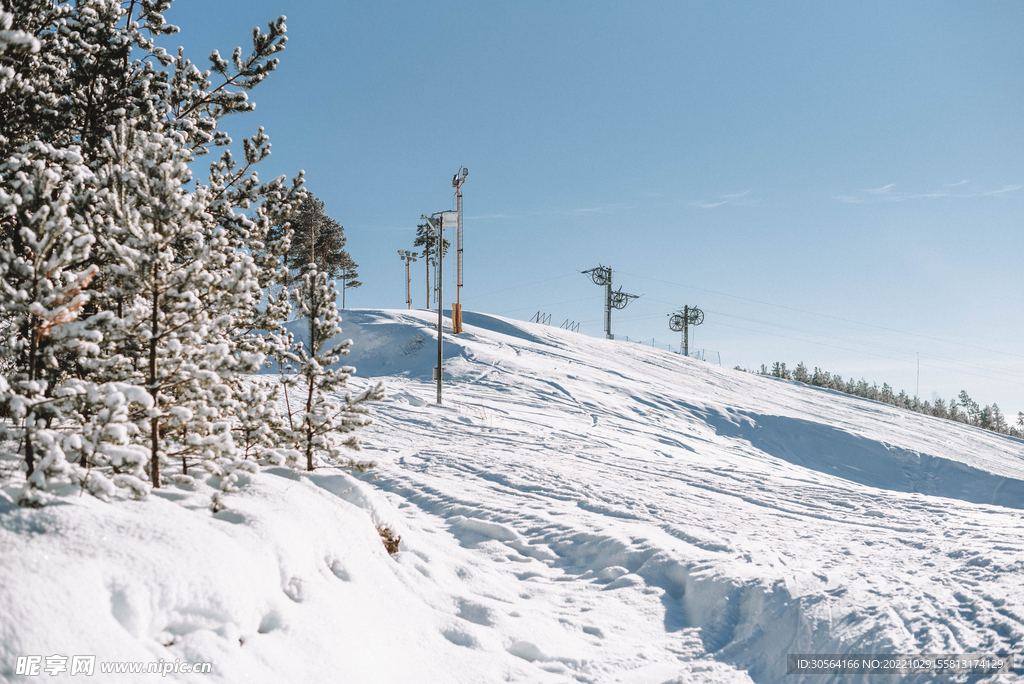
{"x": 952, "y": 190}
{"x": 739, "y": 199}
{"x": 599, "y": 209}
{"x": 1001, "y": 191}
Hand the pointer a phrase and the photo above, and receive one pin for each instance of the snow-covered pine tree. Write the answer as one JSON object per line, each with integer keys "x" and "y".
{"x": 181, "y": 280}
{"x": 44, "y": 271}
{"x": 47, "y": 260}
{"x": 185, "y": 279}
{"x": 800, "y": 373}
{"x": 320, "y": 430}
{"x": 120, "y": 285}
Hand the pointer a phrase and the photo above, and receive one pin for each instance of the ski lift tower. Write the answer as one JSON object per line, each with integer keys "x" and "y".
{"x": 602, "y": 275}
{"x": 681, "y": 321}
{"x": 457, "y": 181}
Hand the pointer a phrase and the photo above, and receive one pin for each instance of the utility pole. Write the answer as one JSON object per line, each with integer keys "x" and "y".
{"x": 602, "y": 275}
{"x": 457, "y": 181}
{"x": 437, "y": 227}
{"x": 409, "y": 258}
{"x": 681, "y": 321}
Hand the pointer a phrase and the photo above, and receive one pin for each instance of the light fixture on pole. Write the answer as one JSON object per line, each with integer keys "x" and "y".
{"x": 457, "y": 181}
{"x": 409, "y": 258}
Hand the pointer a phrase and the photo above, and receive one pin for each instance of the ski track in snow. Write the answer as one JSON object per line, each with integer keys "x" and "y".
{"x": 712, "y": 513}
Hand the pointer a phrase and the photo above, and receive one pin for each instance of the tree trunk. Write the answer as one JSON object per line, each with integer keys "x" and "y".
{"x": 30, "y": 419}
{"x": 309, "y": 426}
{"x": 30, "y": 458}
{"x": 314, "y": 310}
{"x": 154, "y": 462}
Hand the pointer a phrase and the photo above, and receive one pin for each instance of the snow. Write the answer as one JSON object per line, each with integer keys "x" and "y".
{"x": 577, "y": 510}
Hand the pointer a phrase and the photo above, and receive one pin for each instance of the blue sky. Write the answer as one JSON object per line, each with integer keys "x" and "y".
{"x": 840, "y": 184}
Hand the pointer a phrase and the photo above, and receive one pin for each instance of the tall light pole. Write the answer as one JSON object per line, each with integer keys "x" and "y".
{"x": 437, "y": 228}
{"x": 457, "y": 181}
{"x": 409, "y": 258}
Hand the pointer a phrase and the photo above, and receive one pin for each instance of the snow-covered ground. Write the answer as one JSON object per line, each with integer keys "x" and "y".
{"x": 578, "y": 510}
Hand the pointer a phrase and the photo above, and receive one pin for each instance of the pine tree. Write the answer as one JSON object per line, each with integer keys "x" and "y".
{"x": 800, "y": 373}
{"x": 348, "y": 276}
{"x": 316, "y": 238}
{"x": 316, "y": 432}
{"x": 130, "y": 293}
{"x": 45, "y": 272}
{"x": 955, "y": 413}
{"x": 971, "y": 407}
{"x": 428, "y": 241}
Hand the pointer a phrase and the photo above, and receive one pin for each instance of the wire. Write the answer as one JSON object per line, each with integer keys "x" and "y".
{"x": 836, "y": 318}
{"x": 938, "y": 357}
{"x": 524, "y": 285}
{"x": 858, "y": 351}
{"x": 1016, "y": 374}
{"x": 1011, "y": 376}
{"x": 527, "y": 308}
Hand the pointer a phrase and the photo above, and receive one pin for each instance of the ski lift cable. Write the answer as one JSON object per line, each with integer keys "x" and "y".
{"x": 857, "y": 351}
{"x": 814, "y": 313}
{"x": 516, "y": 287}
{"x": 909, "y": 352}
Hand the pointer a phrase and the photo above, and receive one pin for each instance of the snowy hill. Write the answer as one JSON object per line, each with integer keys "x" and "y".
{"x": 577, "y": 510}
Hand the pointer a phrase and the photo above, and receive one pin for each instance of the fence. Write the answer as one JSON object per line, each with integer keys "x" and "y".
{"x": 706, "y": 355}
{"x": 700, "y": 354}
{"x": 539, "y": 317}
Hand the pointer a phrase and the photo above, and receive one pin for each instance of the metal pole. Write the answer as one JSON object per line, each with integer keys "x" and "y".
{"x": 440, "y": 306}
{"x": 408, "y": 289}
{"x": 458, "y": 289}
{"x": 608, "y": 307}
{"x": 686, "y": 331}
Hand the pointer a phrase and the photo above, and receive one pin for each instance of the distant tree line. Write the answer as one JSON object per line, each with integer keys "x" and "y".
{"x": 961, "y": 409}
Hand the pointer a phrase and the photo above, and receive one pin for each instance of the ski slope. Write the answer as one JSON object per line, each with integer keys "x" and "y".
{"x": 702, "y": 512}
{"x": 577, "y": 510}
